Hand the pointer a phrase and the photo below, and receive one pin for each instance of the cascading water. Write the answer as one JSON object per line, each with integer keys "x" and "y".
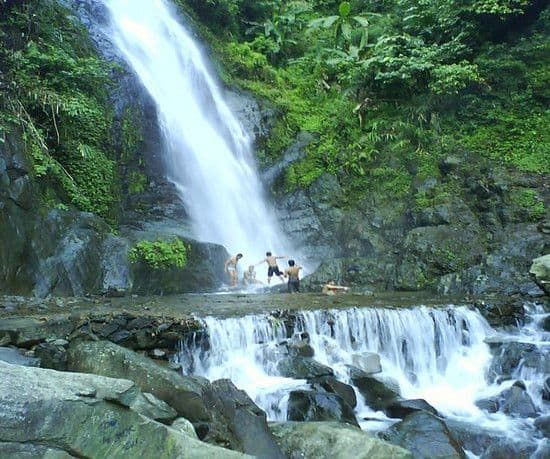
{"x": 208, "y": 153}
{"x": 439, "y": 355}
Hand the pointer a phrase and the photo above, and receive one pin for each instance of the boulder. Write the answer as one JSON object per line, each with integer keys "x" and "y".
{"x": 507, "y": 357}
{"x": 491, "y": 404}
{"x": 540, "y": 271}
{"x": 332, "y": 440}
{"x": 183, "y": 393}
{"x": 332, "y": 385}
{"x": 426, "y": 436}
{"x": 86, "y": 416}
{"x": 244, "y": 419}
{"x": 185, "y": 427}
{"x": 473, "y": 437}
{"x": 402, "y": 408}
{"x": 302, "y": 368}
{"x": 376, "y": 393}
{"x": 308, "y": 405}
{"x": 517, "y": 402}
{"x": 369, "y": 362}
{"x": 51, "y": 355}
{"x": 31, "y": 451}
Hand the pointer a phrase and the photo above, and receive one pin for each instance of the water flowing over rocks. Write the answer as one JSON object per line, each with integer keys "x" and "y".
{"x": 331, "y": 440}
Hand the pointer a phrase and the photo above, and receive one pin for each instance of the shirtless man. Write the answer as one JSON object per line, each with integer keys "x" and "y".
{"x": 293, "y": 274}
{"x": 249, "y": 276}
{"x": 230, "y": 268}
{"x": 332, "y": 289}
{"x": 272, "y": 267}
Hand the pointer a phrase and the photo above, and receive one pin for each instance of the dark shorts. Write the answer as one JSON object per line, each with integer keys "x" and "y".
{"x": 293, "y": 286}
{"x": 273, "y": 270}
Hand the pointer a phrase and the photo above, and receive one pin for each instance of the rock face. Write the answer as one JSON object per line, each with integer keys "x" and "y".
{"x": 77, "y": 415}
{"x": 540, "y": 270}
{"x": 307, "y": 405}
{"x": 377, "y": 394}
{"x": 245, "y": 420}
{"x": 426, "y": 436}
{"x": 302, "y": 368}
{"x": 332, "y": 440}
{"x": 107, "y": 359}
{"x": 332, "y": 385}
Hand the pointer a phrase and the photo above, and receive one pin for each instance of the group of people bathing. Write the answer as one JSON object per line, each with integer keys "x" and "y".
{"x": 292, "y": 273}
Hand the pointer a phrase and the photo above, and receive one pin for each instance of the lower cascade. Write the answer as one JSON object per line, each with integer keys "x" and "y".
{"x": 450, "y": 357}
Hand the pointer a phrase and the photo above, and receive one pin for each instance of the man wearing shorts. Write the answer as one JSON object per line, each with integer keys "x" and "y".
{"x": 272, "y": 267}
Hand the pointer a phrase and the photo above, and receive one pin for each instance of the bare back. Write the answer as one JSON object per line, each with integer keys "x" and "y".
{"x": 293, "y": 273}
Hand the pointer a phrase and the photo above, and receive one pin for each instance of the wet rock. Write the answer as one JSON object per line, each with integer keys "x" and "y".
{"x": 377, "y": 394}
{"x": 15, "y": 357}
{"x": 369, "y": 362}
{"x": 245, "y": 420}
{"x": 543, "y": 424}
{"x": 508, "y": 449}
{"x": 116, "y": 274}
{"x": 402, "y": 408}
{"x": 502, "y": 313}
{"x": 307, "y": 405}
{"x": 546, "y": 389}
{"x": 540, "y": 270}
{"x": 473, "y": 437}
{"x": 332, "y": 385}
{"x": 425, "y": 436}
{"x": 491, "y": 404}
{"x": 300, "y": 349}
{"x": 302, "y": 368}
{"x": 184, "y": 393}
{"x": 86, "y": 416}
{"x": 332, "y": 440}
{"x": 517, "y": 402}
{"x": 507, "y": 358}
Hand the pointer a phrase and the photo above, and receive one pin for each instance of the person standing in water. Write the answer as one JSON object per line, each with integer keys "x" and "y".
{"x": 249, "y": 277}
{"x": 272, "y": 267}
{"x": 293, "y": 274}
{"x": 230, "y": 268}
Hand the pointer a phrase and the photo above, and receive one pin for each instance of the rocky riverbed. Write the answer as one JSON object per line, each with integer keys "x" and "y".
{"x": 117, "y": 369}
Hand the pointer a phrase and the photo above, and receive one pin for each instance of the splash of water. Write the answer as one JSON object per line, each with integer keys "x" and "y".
{"x": 208, "y": 154}
{"x": 439, "y": 355}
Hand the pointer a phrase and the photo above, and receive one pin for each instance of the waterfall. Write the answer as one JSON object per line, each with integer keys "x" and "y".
{"x": 438, "y": 354}
{"x": 208, "y": 154}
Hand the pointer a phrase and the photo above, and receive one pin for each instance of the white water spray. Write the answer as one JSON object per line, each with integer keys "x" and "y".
{"x": 208, "y": 153}
{"x": 439, "y": 355}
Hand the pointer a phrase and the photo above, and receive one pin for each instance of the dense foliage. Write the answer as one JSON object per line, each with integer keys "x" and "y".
{"x": 392, "y": 88}
{"x": 55, "y": 90}
{"x": 160, "y": 254}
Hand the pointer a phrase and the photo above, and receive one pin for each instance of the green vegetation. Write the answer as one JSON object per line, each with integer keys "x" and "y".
{"x": 56, "y": 92}
{"x": 392, "y": 87}
{"x": 160, "y": 254}
{"x": 529, "y": 202}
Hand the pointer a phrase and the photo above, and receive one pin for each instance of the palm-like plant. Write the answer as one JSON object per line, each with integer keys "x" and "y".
{"x": 344, "y": 25}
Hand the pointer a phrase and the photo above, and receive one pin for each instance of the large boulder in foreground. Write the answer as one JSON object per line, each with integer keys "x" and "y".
{"x": 332, "y": 440}
{"x": 80, "y": 415}
{"x": 183, "y": 393}
{"x": 426, "y": 436}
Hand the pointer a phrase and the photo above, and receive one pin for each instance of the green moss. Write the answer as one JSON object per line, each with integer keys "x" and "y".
{"x": 528, "y": 201}
{"x": 160, "y": 254}
{"x": 137, "y": 182}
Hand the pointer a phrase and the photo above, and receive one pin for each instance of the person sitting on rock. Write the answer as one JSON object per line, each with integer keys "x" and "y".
{"x": 272, "y": 267}
{"x": 330, "y": 288}
{"x": 293, "y": 274}
{"x": 230, "y": 268}
{"x": 249, "y": 276}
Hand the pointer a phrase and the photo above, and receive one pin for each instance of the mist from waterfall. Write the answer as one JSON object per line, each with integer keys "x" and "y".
{"x": 209, "y": 155}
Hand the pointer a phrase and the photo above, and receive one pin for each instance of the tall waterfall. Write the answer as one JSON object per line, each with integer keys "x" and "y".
{"x": 209, "y": 155}
{"x": 436, "y": 354}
